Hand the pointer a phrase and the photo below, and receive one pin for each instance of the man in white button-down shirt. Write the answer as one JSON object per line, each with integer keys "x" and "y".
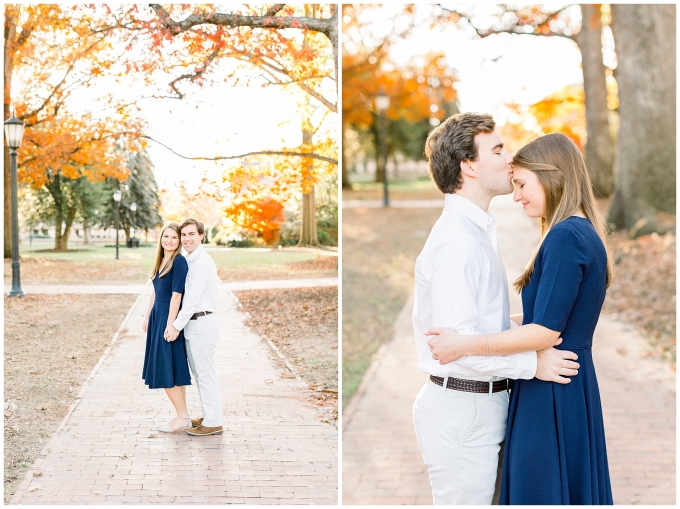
{"x": 201, "y": 331}
{"x": 460, "y": 415}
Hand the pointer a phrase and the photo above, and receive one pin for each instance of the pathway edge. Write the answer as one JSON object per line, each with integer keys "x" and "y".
{"x": 352, "y": 405}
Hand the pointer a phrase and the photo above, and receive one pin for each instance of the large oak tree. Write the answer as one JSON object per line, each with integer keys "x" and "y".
{"x": 647, "y": 145}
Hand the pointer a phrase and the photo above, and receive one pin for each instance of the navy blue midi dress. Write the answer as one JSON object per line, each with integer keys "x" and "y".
{"x": 555, "y": 449}
{"x": 165, "y": 363}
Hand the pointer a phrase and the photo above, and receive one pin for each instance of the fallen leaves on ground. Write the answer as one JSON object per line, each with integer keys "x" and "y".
{"x": 321, "y": 266}
{"x": 46, "y": 271}
{"x": 303, "y": 324}
{"x": 643, "y": 290}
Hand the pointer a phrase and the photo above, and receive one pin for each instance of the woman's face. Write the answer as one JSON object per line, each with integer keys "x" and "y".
{"x": 529, "y": 192}
{"x": 169, "y": 240}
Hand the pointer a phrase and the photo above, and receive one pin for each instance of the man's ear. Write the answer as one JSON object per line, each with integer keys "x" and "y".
{"x": 467, "y": 169}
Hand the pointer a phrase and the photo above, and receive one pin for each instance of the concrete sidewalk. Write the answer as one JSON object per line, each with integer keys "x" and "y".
{"x": 274, "y": 450}
{"x": 137, "y": 289}
{"x": 382, "y": 463}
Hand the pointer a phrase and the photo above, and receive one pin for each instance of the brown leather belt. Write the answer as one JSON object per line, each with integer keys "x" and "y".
{"x": 203, "y": 313}
{"x": 458, "y": 384}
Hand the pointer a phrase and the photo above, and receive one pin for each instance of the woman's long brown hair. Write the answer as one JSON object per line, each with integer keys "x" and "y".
{"x": 562, "y": 173}
{"x": 161, "y": 252}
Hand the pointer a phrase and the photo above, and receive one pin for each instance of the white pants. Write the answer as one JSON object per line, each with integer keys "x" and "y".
{"x": 459, "y": 434}
{"x": 201, "y": 338}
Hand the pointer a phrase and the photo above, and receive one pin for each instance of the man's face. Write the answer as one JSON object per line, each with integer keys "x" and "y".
{"x": 493, "y": 164}
{"x": 190, "y": 238}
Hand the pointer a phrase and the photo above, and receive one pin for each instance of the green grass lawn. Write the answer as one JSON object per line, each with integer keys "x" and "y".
{"x": 407, "y": 189}
{"x": 379, "y": 250}
{"x": 96, "y": 263}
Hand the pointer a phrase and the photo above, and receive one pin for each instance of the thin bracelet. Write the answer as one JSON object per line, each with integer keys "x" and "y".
{"x": 487, "y": 345}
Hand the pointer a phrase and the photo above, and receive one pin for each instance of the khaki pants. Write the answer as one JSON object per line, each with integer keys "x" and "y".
{"x": 201, "y": 338}
{"x": 459, "y": 434}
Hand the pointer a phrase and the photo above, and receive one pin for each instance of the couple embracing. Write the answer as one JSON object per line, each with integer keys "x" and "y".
{"x": 181, "y": 327}
{"x": 496, "y": 377}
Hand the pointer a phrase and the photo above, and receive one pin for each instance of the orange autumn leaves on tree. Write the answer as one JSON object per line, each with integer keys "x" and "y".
{"x": 74, "y": 148}
{"x": 561, "y": 112}
{"x": 190, "y": 51}
{"x": 260, "y": 181}
{"x": 367, "y": 65}
{"x": 55, "y": 54}
{"x": 412, "y": 90}
{"x": 264, "y": 216}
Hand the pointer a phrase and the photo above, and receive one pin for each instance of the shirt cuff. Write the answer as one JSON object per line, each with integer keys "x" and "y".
{"x": 527, "y": 363}
{"x": 180, "y": 322}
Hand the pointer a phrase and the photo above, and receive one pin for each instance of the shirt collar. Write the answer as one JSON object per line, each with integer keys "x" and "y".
{"x": 468, "y": 209}
{"x": 192, "y": 256}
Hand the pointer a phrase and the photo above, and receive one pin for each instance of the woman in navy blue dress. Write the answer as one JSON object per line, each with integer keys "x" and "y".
{"x": 555, "y": 449}
{"x": 165, "y": 361}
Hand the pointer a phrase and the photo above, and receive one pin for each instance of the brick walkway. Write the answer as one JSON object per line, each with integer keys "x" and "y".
{"x": 382, "y": 463}
{"x": 274, "y": 449}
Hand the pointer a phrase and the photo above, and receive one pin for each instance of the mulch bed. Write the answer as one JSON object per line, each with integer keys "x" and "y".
{"x": 321, "y": 266}
{"x": 52, "y": 342}
{"x": 303, "y": 324}
{"x": 643, "y": 290}
{"x": 46, "y": 271}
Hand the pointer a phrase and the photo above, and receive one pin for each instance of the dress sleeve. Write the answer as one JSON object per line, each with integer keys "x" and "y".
{"x": 180, "y": 268}
{"x": 563, "y": 264}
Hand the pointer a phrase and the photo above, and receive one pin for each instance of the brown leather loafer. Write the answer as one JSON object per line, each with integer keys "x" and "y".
{"x": 200, "y": 431}
{"x": 196, "y": 422}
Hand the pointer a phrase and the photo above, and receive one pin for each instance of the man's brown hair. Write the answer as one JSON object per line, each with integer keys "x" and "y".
{"x": 452, "y": 143}
{"x": 199, "y": 227}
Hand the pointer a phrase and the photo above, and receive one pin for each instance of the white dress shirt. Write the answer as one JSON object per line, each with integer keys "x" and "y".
{"x": 461, "y": 284}
{"x": 200, "y": 291}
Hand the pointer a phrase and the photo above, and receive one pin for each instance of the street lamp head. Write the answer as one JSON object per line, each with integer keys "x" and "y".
{"x": 14, "y": 132}
{"x": 117, "y": 195}
{"x": 382, "y": 101}
{"x": 133, "y": 207}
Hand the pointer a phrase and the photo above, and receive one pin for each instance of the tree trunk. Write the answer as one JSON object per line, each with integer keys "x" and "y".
{"x": 599, "y": 149}
{"x": 86, "y": 240}
{"x": 61, "y": 241}
{"x": 309, "y": 236}
{"x": 646, "y": 148}
{"x": 70, "y": 217}
{"x": 308, "y": 232}
{"x": 61, "y": 206}
{"x": 10, "y": 35}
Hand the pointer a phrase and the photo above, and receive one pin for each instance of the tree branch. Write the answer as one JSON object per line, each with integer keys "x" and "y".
{"x": 237, "y": 20}
{"x": 327, "y": 26}
{"x": 288, "y": 153}
{"x": 513, "y": 28}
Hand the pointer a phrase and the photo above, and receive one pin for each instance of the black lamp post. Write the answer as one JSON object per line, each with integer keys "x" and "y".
{"x": 133, "y": 208}
{"x": 14, "y": 132}
{"x": 117, "y": 195}
{"x": 382, "y": 102}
